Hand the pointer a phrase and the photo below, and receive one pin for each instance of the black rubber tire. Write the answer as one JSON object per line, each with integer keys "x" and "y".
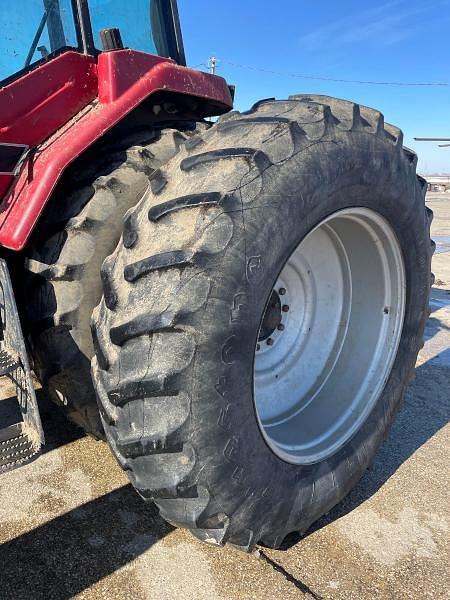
{"x": 175, "y": 334}
{"x": 62, "y": 270}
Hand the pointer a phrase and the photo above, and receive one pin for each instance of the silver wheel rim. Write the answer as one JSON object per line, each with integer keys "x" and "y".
{"x": 329, "y": 336}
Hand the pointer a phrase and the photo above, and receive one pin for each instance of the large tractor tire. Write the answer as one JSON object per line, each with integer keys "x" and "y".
{"x": 62, "y": 282}
{"x": 262, "y": 317}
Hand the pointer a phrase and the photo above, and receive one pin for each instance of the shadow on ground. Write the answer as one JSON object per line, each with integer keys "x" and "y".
{"x": 73, "y": 551}
{"x": 58, "y": 430}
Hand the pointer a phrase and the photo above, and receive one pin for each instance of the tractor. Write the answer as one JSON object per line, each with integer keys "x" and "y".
{"x": 235, "y": 306}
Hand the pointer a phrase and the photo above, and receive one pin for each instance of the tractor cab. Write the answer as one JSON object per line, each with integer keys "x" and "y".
{"x": 39, "y": 30}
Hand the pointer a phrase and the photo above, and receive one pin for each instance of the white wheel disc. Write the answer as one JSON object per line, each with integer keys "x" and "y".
{"x": 329, "y": 336}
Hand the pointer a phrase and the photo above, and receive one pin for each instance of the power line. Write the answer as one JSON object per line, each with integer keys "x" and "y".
{"x": 331, "y": 79}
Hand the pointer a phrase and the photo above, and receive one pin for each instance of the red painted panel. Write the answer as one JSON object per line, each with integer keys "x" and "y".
{"x": 136, "y": 75}
{"x": 35, "y": 106}
{"x": 5, "y": 182}
{"x": 125, "y": 79}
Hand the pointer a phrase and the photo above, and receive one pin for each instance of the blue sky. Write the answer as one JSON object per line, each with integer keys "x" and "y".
{"x": 393, "y": 40}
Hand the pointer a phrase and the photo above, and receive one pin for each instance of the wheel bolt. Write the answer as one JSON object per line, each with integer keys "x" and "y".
{"x": 269, "y": 342}
{"x": 282, "y": 291}
{"x": 280, "y": 327}
{"x": 285, "y": 308}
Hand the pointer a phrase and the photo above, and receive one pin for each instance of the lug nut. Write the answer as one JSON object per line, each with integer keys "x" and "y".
{"x": 280, "y": 327}
{"x": 282, "y": 291}
{"x": 258, "y": 347}
{"x": 269, "y": 342}
{"x": 285, "y": 308}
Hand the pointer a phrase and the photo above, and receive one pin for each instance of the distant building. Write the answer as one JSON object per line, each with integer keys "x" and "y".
{"x": 438, "y": 183}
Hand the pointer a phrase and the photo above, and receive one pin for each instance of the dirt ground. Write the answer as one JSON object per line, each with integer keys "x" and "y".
{"x": 71, "y": 526}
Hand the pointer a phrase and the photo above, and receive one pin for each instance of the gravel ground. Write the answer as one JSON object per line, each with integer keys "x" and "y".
{"x": 71, "y": 526}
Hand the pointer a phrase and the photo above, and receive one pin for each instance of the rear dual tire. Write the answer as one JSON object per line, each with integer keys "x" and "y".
{"x": 186, "y": 295}
{"x": 62, "y": 284}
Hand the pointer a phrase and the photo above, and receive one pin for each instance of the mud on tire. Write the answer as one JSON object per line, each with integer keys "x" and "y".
{"x": 62, "y": 281}
{"x": 184, "y": 293}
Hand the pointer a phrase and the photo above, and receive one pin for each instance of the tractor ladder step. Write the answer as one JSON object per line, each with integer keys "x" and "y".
{"x": 8, "y": 363}
{"x": 21, "y": 435}
{"x": 16, "y": 447}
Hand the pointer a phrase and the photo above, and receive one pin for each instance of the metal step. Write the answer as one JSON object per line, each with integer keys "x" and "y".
{"x": 21, "y": 441}
{"x": 16, "y": 447}
{"x": 8, "y": 363}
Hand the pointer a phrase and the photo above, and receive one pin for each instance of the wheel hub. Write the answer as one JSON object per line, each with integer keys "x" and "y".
{"x": 274, "y": 319}
{"x": 329, "y": 335}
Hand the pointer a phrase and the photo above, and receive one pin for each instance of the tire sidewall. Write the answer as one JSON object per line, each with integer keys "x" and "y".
{"x": 242, "y": 473}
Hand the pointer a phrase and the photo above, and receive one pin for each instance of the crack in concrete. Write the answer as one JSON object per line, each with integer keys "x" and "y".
{"x": 307, "y": 591}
